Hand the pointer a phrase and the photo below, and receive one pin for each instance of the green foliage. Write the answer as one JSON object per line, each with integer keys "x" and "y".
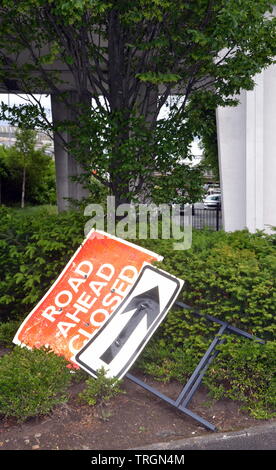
{"x": 32, "y": 382}
{"x": 98, "y": 192}
{"x": 230, "y": 276}
{"x": 39, "y": 171}
{"x": 100, "y": 390}
{"x": 33, "y": 251}
{"x": 158, "y": 78}
{"x": 227, "y": 275}
{"x": 133, "y": 56}
{"x": 245, "y": 371}
{"x": 166, "y": 363}
{"x": 209, "y": 143}
{"x": 27, "y": 115}
{"x": 7, "y": 332}
{"x": 183, "y": 185}
{"x": 3, "y": 165}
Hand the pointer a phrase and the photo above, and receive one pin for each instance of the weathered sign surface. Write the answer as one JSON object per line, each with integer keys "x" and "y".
{"x": 95, "y": 281}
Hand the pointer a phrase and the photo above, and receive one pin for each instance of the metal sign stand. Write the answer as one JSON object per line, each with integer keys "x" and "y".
{"x": 188, "y": 391}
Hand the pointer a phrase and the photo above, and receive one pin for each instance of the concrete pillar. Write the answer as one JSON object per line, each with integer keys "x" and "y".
{"x": 66, "y": 165}
{"x": 231, "y": 149}
{"x": 247, "y": 142}
{"x": 269, "y": 133}
{"x": 254, "y": 157}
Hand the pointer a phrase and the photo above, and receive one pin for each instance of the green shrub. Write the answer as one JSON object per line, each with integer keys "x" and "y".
{"x": 245, "y": 371}
{"x": 232, "y": 277}
{"x": 7, "y": 332}
{"x": 100, "y": 390}
{"x": 33, "y": 251}
{"x": 165, "y": 363}
{"x": 32, "y": 382}
{"x": 228, "y": 275}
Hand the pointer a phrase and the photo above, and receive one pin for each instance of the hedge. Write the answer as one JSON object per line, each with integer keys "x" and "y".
{"x": 232, "y": 277}
{"x": 32, "y": 383}
{"x": 33, "y": 251}
{"x": 228, "y": 275}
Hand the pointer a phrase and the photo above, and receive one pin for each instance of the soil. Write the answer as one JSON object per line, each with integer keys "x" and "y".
{"x": 132, "y": 420}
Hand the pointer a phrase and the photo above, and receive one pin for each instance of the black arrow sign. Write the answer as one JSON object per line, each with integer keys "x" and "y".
{"x": 147, "y": 304}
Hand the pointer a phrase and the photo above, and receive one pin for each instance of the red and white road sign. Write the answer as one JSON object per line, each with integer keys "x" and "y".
{"x": 95, "y": 281}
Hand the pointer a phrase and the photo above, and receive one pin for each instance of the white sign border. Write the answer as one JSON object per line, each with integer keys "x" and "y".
{"x": 150, "y": 332}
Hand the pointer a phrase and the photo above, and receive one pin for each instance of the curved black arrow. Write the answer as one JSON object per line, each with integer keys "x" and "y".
{"x": 147, "y": 304}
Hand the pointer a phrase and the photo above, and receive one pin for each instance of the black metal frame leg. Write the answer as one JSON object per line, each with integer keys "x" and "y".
{"x": 188, "y": 391}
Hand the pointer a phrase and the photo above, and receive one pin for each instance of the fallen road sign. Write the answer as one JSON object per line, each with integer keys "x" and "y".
{"x": 94, "y": 282}
{"x": 123, "y": 336}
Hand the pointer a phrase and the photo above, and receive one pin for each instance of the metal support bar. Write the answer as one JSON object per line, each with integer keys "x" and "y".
{"x": 194, "y": 381}
{"x": 233, "y": 329}
{"x": 197, "y": 382}
{"x": 172, "y": 402}
{"x": 203, "y": 364}
{"x": 217, "y": 218}
{"x": 198, "y": 418}
{"x": 150, "y": 389}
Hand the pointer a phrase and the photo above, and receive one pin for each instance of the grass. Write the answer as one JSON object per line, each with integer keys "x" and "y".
{"x": 34, "y": 210}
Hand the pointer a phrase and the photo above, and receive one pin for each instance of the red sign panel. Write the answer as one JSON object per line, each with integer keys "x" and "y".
{"x": 91, "y": 286}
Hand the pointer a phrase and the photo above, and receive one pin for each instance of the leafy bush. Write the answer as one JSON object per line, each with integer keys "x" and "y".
{"x": 232, "y": 277}
{"x": 100, "y": 390}
{"x": 7, "y": 332}
{"x": 245, "y": 371}
{"x": 32, "y": 382}
{"x": 165, "y": 363}
{"x": 227, "y": 275}
{"x": 39, "y": 168}
{"x": 33, "y": 251}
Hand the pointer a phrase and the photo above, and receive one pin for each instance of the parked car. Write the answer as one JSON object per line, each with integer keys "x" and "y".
{"x": 212, "y": 201}
{"x": 213, "y": 190}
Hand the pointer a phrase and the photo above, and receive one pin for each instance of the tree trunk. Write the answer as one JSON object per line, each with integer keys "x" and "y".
{"x": 118, "y": 102}
{"x": 23, "y": 188}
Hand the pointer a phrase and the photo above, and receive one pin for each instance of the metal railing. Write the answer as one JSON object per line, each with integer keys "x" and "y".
{"x": 207, "y": 218}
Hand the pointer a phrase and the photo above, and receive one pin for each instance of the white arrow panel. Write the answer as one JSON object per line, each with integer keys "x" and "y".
{"x": 133, "y": 342}
{"x": 89, "y": 358}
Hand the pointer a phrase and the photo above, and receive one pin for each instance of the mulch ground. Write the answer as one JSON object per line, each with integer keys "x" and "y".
{"x": 133, "y": 419}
